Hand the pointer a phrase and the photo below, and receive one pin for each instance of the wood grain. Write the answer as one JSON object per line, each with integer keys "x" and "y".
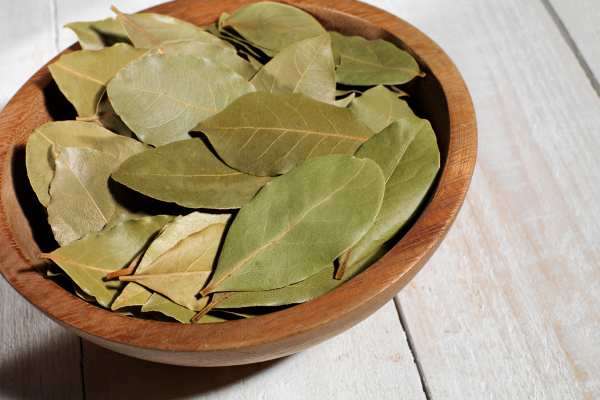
{"x": 277, "y": 334}
{"x": 508, "y": 307}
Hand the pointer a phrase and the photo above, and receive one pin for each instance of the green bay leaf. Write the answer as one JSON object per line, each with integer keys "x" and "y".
{"x": 345, "y": 101}
{"x": 38, "y": 154}
{"x": 173, "y": 233}
{"x": 408, "y": 148}
{"x": 272, "y": 26}
{"x": 304, "y": 67}
{"x": 147, "y": 30}
{"x": 163, "y": 305}
{"x": 187, "y": 173}
{"x": 95, "y": 35}
{"x": 182, "y": 271}
{"x": 303, "y": 291}
{"x": 80, "y": 202}
{"x": 267, "y": 134}
{"x": 405, "y": 188}
{"x": 371, "y": 62}
{"x": 162, "y": 97}
{"x": 298, "y": 223}
{"x": 82, "y": 75}
{"x": 220, "y": 53}
{"x": 378, "y": 107}
{"x": 88, "y": 260}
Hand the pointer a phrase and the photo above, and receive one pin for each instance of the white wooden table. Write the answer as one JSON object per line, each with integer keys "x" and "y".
{"x": 508, "y": 308}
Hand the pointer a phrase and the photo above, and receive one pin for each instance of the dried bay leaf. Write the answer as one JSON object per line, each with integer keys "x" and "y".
{"x": 272, "y": 26}
{"x": 95, "y": 35}
{"x": 267, "y": 134}
{"x": 182, "y": 271}
{"x": 378, "y": 107}
{"x": 303, "y": 291}
{"x": 408, "y": 148}
{"x": 39, "y": 160}
{"x": 187, "y": 173}
{"x": 405, "y": 188}
{"x": 147, "y": 30}
{"x": 82, "y": 75}
{"x": 345, "y": 101}
{"x": 219, "y": 53}
{"x": 304, "y": 67}
{"x": 87, "y": 260}
{"x": 298, "y": 223}
{"x": 80, "y": 202}
{"x": 371, "y": 62}
{"x": 161, "y": 304}
{"x": 173, "y": 233}
{"x": 162, "y": 97}
{"x": 387, "y": 148}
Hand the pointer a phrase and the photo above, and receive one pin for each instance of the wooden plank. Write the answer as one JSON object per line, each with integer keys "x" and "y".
{"x": 371, "y": 361}
{"x": 581, "y": 20}
{"x": 38, "y": 359}
{"x": 27, "y": 43}
{"x": 508, "y": 306}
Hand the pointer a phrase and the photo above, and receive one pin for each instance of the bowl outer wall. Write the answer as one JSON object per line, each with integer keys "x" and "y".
{"x": 276, "y": 334}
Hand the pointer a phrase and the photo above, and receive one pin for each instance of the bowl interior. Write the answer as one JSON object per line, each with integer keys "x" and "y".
{"x": 24, "y": 225}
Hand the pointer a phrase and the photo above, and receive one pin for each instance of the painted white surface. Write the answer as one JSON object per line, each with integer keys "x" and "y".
{"x": 508, "y": 308}
{"x": 581, "y": 19}
{"x": 370, "y": 361}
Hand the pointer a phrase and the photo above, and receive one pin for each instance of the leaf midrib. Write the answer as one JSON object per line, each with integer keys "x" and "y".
{"x": 280, "y": 236}
{"x": 294, "y": 130}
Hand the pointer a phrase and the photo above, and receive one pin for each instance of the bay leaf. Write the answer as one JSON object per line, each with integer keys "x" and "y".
{"x": 173, "y": 233}
{"x": 241, "y": 45}
{"x": 80, "y": 202}
{"x": 96, "y": 35}
{"x": 303, "y": 291}
{"x": 88, "y": 260}
{"x": 39, "y": 160}
{"x": 388, "y": 147}
{"x": 378, "y": 107}
{"x": 413, "y": 148}
{"x": 162, "y": 97}
{"x": 147, "y": 30}
{"x": 345, "y": 101}
{"x": 163, "y": 305}
{"x": 221, "y": 53}
{"x": 371, "y": 62}
{"x": 183, "y": 270}
{"x": 406, "y": 187}
{"x": 107, "y": 117}
{"x": 187, "y": 173}
{"x": 272, "y": 26}
{"x": 304, "y": 67}
{"x": 298, "y": 223}
{"x": 267, "y": 134}
{"x": 82, "y": 75}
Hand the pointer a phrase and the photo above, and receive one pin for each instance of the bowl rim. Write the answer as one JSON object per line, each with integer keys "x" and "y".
{"x": 293, "y": 327}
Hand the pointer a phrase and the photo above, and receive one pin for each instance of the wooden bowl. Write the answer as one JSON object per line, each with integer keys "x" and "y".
{"x": 441, "y": 97}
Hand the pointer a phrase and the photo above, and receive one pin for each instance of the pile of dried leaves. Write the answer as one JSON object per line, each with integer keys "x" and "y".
{"x": 286, "y": 152}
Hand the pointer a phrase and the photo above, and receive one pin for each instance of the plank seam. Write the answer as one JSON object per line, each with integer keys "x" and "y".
{"x": 54, "y": 22}
{"x": 81, "y": 369}
{"x": 564, "y": 32}
{"x": 412, "y": 349}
